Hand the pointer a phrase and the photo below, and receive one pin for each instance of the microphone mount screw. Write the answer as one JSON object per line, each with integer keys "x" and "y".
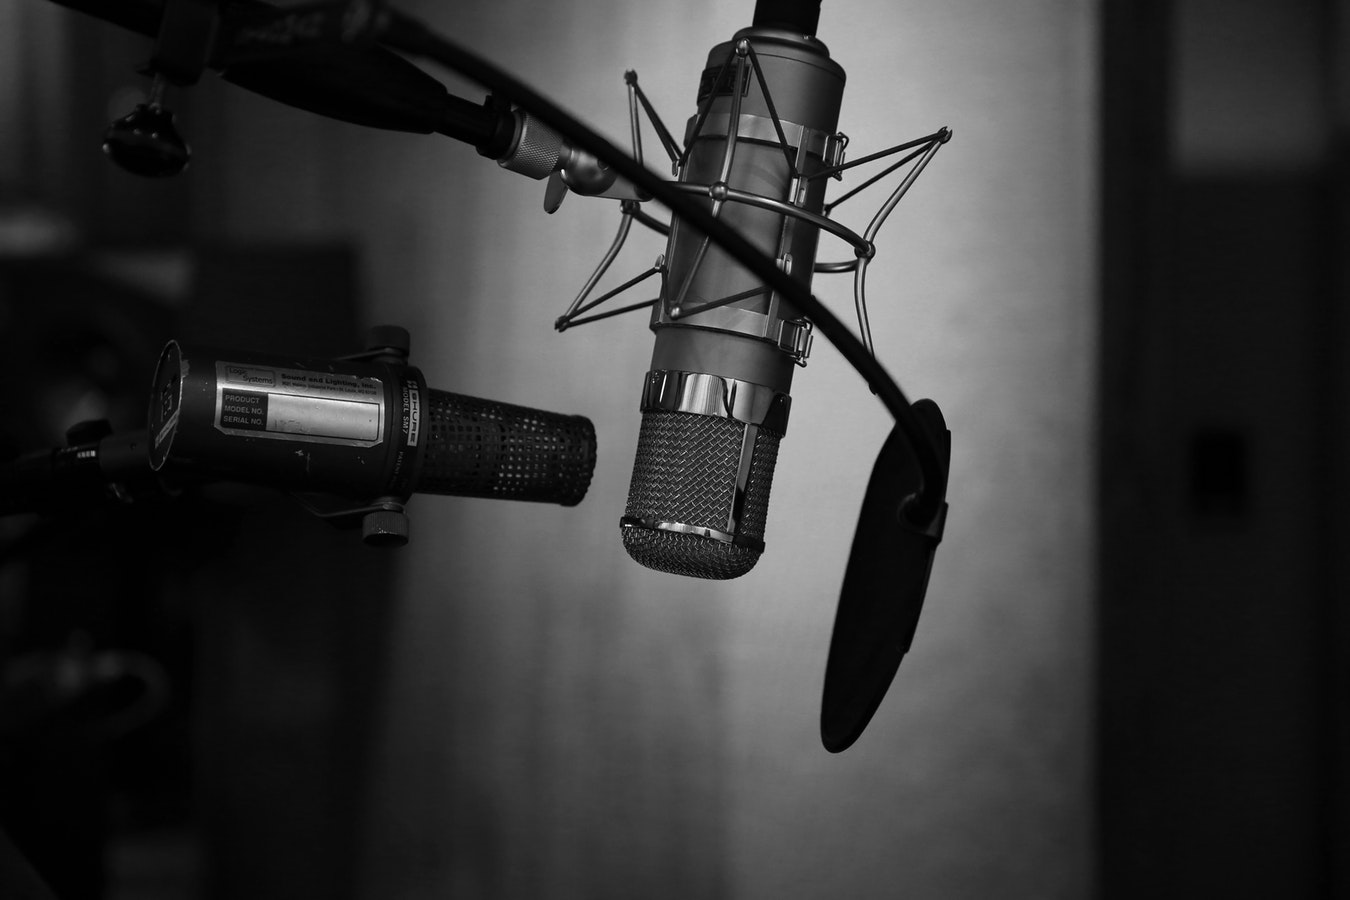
{"x": 386, "y": 526}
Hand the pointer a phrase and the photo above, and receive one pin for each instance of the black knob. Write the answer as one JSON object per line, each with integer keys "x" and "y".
{"x": 147, "y": 143}
{"x": 390, "y": 339}
{"x": 384, "y": 528}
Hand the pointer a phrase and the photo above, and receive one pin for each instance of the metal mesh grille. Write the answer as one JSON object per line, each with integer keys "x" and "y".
{"x": 763, "y": 462}
{"x": 482, "y": 448}
{"x": 685, "y": 472}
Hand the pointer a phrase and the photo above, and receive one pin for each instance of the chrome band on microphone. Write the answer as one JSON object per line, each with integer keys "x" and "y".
{"x": 702, "y": 394}
{"x": 712, "y": 534}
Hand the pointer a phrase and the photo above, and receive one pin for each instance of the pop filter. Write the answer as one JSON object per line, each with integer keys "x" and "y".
{"x": 884, "y": 586}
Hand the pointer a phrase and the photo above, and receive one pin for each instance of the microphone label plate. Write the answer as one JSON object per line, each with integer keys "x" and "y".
{"x": 299, "y": 405}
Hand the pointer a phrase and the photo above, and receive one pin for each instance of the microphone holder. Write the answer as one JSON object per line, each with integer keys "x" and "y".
{"x": 384, "y": 520}
{"x": 832, "y": 147}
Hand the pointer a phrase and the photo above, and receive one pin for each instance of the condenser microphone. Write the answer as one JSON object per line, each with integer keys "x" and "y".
{"x": 715, "y": 402}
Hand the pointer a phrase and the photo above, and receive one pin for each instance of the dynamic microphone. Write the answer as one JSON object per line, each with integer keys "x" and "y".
{"x": 362, "y": 429}
{"x": 715, "y": 402}
{"x": 359, "y": 429}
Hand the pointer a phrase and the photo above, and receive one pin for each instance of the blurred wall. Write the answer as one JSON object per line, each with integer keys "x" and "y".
{"x": 1223, "y": 715}
{"x": 560, "y": 722}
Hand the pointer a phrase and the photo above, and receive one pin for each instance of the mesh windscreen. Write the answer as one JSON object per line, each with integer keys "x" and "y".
{"x": 685, "y": 472}
{"x": 482, "y": 448}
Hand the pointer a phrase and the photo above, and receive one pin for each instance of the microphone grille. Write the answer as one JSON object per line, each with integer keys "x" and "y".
{"x": 483, "y": 448}
{"x": 685, "y": 472}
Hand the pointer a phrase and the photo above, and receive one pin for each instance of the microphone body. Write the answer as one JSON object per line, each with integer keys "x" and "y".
{"x": 715, "y": 402}
{"x": 358, "y": 429}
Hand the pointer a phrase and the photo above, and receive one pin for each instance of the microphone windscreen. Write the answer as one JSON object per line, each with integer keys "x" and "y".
{"x": 483, "y": 448}
{"x": 685, "y": 474}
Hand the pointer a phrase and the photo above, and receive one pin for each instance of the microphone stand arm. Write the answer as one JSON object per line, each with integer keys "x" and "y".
{"x": 307, "y": 57}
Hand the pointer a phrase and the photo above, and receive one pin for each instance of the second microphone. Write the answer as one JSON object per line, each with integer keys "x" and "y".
{"x": 358, "y": 429}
